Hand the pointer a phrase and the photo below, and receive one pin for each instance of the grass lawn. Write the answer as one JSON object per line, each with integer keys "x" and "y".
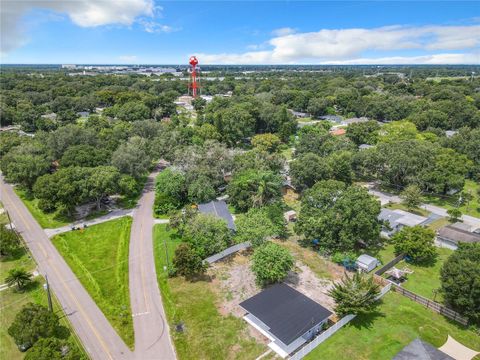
{"x": 425, "y": 279}
{"x": 46, "y": 221}
{"x": 449, "y": 202}
{"x": 397, "y": 322}
{"x": 208, "y": 334}
{"x": 98, "y": 256}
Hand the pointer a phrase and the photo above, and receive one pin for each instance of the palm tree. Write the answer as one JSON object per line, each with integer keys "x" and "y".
{"x": 268, "y": 187}
{"x": 19, "y": 277}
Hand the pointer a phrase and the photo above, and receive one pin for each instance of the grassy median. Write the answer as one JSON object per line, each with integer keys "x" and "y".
{"x": 98, "y": 256}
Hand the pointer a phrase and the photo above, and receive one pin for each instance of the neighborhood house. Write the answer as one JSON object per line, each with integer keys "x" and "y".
{"x": 397, "y": 219}
{"x": 450, "y": 236}
{"x": 285, "y": 316}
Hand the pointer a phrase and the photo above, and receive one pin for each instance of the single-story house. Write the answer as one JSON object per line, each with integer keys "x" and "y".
{"x": 354, "y": 120}
{"x": 219, "y": 209}
{"x": 367, "y": 263}
{"x": 397, "y": 219}
{"x": 83, "y": 114}
{"x": 299, "y": 114}
{"x": 451, "y": 235}
{"x": 332, "y": 118}
{"x": 51, "y": 116}
{"x": 285, "y": 316}
{"x": 421, "y": 350}
{"x": 450, "y": 133}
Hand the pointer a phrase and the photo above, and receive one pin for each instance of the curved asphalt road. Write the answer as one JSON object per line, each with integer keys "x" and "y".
{"x": 152, "y": 338}
{"x": 97, "y": 335}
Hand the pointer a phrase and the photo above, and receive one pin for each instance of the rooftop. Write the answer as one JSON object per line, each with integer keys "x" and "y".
{"x": 286, "y": 312}
{"x": 457, "y": 235}
{"x": 218, "y": 209}
{"x": 420, "y": 350}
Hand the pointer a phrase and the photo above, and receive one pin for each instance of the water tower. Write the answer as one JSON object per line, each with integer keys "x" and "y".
{"x": 193, "y": 85}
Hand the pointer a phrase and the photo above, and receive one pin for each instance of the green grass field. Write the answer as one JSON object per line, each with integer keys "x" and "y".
{"x": 381, "y": 335}
{"x": 46, "y": 221}
{"x": 98, "y": 256}
{"x": 208, "y": 334}
{"x": 426, "y": 279}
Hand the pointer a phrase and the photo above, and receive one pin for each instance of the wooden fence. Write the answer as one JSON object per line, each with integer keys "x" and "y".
{"x": 439, "y": 308}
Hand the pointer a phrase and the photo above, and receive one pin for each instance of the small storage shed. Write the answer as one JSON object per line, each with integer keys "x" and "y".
{"x": 366, "y": 263}
{"x": 290, "y": 215}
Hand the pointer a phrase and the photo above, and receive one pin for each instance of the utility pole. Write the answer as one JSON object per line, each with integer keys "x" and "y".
{"x": 49, "y": 296}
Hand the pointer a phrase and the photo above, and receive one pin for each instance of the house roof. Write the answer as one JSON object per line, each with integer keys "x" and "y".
{"x": 218, "y": 209}
{"x": 398, "y": 216}
{"x": 420, "y": 350}
{"x": 366, "y": 259}
{"x": 338, "y": 132}
{"x": 457, "y": 235}
{"x": 286, "y": 312}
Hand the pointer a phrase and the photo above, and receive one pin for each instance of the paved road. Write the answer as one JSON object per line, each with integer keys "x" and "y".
{"x": 386, "y": 198}
{"x": 97, "y": 335}
{"x": 115, "y": 214}
{"x": 152, "y": 337}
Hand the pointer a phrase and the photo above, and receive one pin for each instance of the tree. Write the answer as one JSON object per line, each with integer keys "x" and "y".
{"x": 416, "y": 242}
{"x": 399, "y": 131}
{"x": 363, "y": 132}
{"x": 412, "y": 196}
{"x": 132, "y": 158}
{"x": 341, "y": 164}
{"x": 187, "y": 261}
{"x": 170, "y": 191}
{"x": 257, "y": 225}
{"x": 133, "y": 111}
{"x": 102, "y": 182}
{"x": 9, "y": 242}
{"x": 454, "y": 214}
{"x": 18, "y": 277}
{"x": 84, "y": 155}
{"x": 266, "y": 142}
{"x": 32, "y": 323}
{"x": 207, "y": 234}
{"x": 460, "y": 279}
{"x": 308, "y": 169}
{"x": 252, "y": 188}
{"x": 25, "y": 163}
{"x": 201, "y": 190}
{"x": 340, "y": 217}
{"x": 271, "y": 263}
{"x": 52, "y": 349}
{"x": 354, "y": 294}
{"x": 127, "y": 185}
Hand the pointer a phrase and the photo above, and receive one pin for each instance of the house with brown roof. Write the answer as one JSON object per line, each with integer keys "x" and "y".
{"x": 451, "y": 235}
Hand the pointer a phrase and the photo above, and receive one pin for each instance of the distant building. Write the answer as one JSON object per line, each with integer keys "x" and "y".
{"x": 218, "y": 209}
{"x": 50, "y": 116}
{"x": 397, "y": 219}
{"x": 332, "y": 118}
{"x": 452, "y": 235}
{"x": 290, "y": 215}
{"x": 69, "y": 66}
{"x": 285, "y": 316}
{"x": 354, "y": 120}
{"x": 83, "y": 114}
{"x": 365, "y": 146}
{"x": 450, "y": 133}
{"x": 338, "y": 132}
{"x": 299, "y": 114}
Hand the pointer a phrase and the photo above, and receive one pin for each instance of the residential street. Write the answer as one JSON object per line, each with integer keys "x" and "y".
{"x": 386, "y": 198}
{"x": 97, "y": 335}
{"x": 152, "y": 337}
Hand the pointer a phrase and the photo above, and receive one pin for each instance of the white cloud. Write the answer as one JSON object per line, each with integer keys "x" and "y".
{"x": 84, "y": 13}
{"x": 283, "y": 31}
{"x": 151, "y": 26}
{"x": 344, "y": 45}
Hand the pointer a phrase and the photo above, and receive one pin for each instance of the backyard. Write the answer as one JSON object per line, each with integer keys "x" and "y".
{"x": 207, "y": 333}
{"x": 395, "y": 324}
{"x": 98, "y": 256}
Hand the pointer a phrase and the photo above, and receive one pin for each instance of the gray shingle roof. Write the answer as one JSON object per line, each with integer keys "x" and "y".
{"x": 458, "y": 235}
{"x": 218, "y": 209}
{"x": 288, "y": 313}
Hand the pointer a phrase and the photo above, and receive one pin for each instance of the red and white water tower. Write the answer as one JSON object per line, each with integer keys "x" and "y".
{"x": 193, "y": 85}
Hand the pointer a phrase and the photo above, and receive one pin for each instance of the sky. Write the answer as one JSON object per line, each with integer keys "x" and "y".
{"x": 239, "y": 32}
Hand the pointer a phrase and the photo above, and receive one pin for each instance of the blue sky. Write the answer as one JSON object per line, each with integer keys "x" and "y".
{"x": 148, "y": 32}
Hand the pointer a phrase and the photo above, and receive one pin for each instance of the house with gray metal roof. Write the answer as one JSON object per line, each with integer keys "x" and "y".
{"x": 451, "y": 235}
{"x": 397, "y": 219}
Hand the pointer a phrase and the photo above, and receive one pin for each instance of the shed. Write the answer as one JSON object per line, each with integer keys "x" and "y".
{"x": 367, "y": 263}
{"x": 290, "y": 215}
{"x": 365, "y": 146}
{"x": 285, "y": 316}
{"x": 219, "y": 209}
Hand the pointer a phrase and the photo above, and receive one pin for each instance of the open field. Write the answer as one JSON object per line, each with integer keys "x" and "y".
{"x": 207, "y": 333}
{"x": 50, "y": 221}
{"x": 381, "y": 335}
{"x": 98, "y": 256}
